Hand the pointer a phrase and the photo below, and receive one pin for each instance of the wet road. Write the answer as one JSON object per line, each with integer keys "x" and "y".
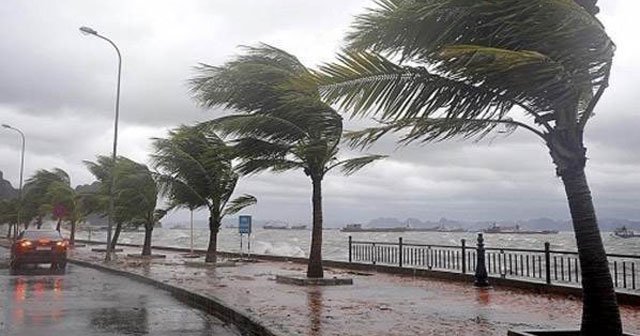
{"x": 88, "y": 302}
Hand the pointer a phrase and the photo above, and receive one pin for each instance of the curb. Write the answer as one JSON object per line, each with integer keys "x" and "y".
{"x": 248, "y": 325}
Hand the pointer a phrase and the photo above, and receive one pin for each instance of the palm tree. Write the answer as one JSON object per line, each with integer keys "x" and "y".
{"x": 9, "y": 213}
{"x": 138, "y": 187}
{"x": 196, "y": 171}
{"x": 65, "y": 204}
{"x": 36, "y": 201}
{"x": 127, "y": 174}
{"x": 435, "y": 70}
{"x": 282, "y": 124}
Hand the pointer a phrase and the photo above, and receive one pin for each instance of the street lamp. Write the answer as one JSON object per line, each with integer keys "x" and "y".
{"x": 15, "y": 230}
{"x": 90, "y": 31}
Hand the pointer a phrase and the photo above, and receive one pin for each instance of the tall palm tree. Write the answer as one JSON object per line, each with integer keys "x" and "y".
{"x": 434, "y": 70}
{"x": 281, "y": 123}
{"x": 196, "y": 171}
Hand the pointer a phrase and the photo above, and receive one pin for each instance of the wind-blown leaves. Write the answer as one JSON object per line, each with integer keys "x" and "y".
{"x": 280, "y": 122}
{"x": 472, "y": 61}
{"x": 236, "y": 205}
{"x": 351, "y": 166}
{"x": 196, "y": 170}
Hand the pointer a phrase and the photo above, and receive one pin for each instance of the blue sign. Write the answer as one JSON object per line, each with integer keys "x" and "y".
{"x": 244, "y": 224}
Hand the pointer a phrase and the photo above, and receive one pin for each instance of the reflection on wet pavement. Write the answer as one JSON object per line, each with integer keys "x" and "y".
{"x": 87, "y": 302}
{"x": 314, "y": 300}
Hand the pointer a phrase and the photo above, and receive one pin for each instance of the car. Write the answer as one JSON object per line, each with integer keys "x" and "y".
{"x": 39, "y": 247}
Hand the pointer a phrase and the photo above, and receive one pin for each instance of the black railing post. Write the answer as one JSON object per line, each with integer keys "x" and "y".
{"x": 373, "y": 253}
{"x": 547, "y": 260}
{"x": 481, "y": 278}
{"x": 350, "y": 244}
{"x": 464, "y": 256}
{"x": 400, "y": 251}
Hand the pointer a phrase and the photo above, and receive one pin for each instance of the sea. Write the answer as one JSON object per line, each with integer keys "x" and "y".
{"x": 295, "y": 243}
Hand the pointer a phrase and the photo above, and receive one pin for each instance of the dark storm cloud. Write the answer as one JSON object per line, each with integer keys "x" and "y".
{"x": 59, "y": 87}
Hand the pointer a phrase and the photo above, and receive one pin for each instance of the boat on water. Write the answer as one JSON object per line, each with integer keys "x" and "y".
{"x": 359, "y": 228}
{"x": 623, "y": 232}
{"x": 494, "y": 228}
{"x": 283, "y": 226}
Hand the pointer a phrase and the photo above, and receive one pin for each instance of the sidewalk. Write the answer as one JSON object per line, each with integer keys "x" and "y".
{"x": 376, "y": 304}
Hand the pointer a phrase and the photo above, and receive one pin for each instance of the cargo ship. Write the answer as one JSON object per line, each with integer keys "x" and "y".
{"x": 359, "y": 228}
{"x": 623, "y": 232}
{"x": 494, "y": 228}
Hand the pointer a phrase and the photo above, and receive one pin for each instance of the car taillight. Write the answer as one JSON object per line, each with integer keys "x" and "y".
{"x": 61, "y": 244}
{"x": 25, "y": 243}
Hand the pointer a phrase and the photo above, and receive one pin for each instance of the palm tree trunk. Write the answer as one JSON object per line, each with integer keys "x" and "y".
{"x": 214, "y": 226}
{"x": 72, "y": 236}
{"x": 116, "y": 235}
{"x": 9, "y": 232}
{"x": 314, "y": 268}
{"x": 39, "y": 222}
{"x": 600, "y": 312}
{"x": 146, "y": 248}
{"x": 58, "y": 224}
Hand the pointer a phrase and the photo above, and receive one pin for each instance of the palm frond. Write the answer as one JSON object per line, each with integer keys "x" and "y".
{"x": 435, "y": 129}
{"x": 364, "y": 82}
{"x": 351, "y": 166}
{"x": 239, "y": 203}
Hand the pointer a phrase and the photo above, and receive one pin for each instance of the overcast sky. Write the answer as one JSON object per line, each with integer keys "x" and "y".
{"x": 58, "y": 86}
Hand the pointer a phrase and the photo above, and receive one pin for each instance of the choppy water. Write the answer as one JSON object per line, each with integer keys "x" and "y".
{"x": 335, "y": 243}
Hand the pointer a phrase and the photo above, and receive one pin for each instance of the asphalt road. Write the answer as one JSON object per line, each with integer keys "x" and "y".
{"x": 89, "y": 302}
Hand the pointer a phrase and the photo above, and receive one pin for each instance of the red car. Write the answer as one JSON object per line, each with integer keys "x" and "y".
{"x": 39, "y": 247}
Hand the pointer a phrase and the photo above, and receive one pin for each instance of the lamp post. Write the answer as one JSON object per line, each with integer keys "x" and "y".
{"x": 90, "y": 31}
{"x": 15, "y": 229}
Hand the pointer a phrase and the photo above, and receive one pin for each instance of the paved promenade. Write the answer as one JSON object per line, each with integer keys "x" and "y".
{"x": 377, "y": 304}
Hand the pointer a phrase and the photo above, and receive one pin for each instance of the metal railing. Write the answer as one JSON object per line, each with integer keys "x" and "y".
{"x": 545, "y": 265}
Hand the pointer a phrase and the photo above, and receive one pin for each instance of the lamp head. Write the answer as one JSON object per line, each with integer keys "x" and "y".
{"x": 88, "y": 31}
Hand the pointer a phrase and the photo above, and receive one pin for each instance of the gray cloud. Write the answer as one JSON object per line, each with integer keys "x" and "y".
{"x": 59, "y": 87}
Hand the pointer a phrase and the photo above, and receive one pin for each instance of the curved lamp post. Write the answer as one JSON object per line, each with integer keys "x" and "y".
{"x": 15, "y": 229}
{"x": 90, "y": 31}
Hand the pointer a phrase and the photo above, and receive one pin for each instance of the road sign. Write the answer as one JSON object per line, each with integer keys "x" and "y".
{"x": 244, "y": 224}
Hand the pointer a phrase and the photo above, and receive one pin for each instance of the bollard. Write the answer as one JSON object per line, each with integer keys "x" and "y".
{"x": 400, "y": 251}
{"x": 481, "y": 278}
{"x": 350, "y": 244}
{"x": 464, "y": 256}
{"x": 547, "y": 261}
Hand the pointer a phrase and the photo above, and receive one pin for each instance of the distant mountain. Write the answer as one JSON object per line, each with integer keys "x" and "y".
{"x": 385, "y": 222}
{"x": 6, "y": 190}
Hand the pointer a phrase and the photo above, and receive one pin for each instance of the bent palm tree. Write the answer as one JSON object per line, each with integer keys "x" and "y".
{"x": 35, "y": 197}
{"x": 195, "y": 172}
{"x": 66, "y": 205}
{"x": 282, "y": 124}
{"x": 447, "y": 68}
{"x": 126, "y": 191}
{"x": 135, "y": 186}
